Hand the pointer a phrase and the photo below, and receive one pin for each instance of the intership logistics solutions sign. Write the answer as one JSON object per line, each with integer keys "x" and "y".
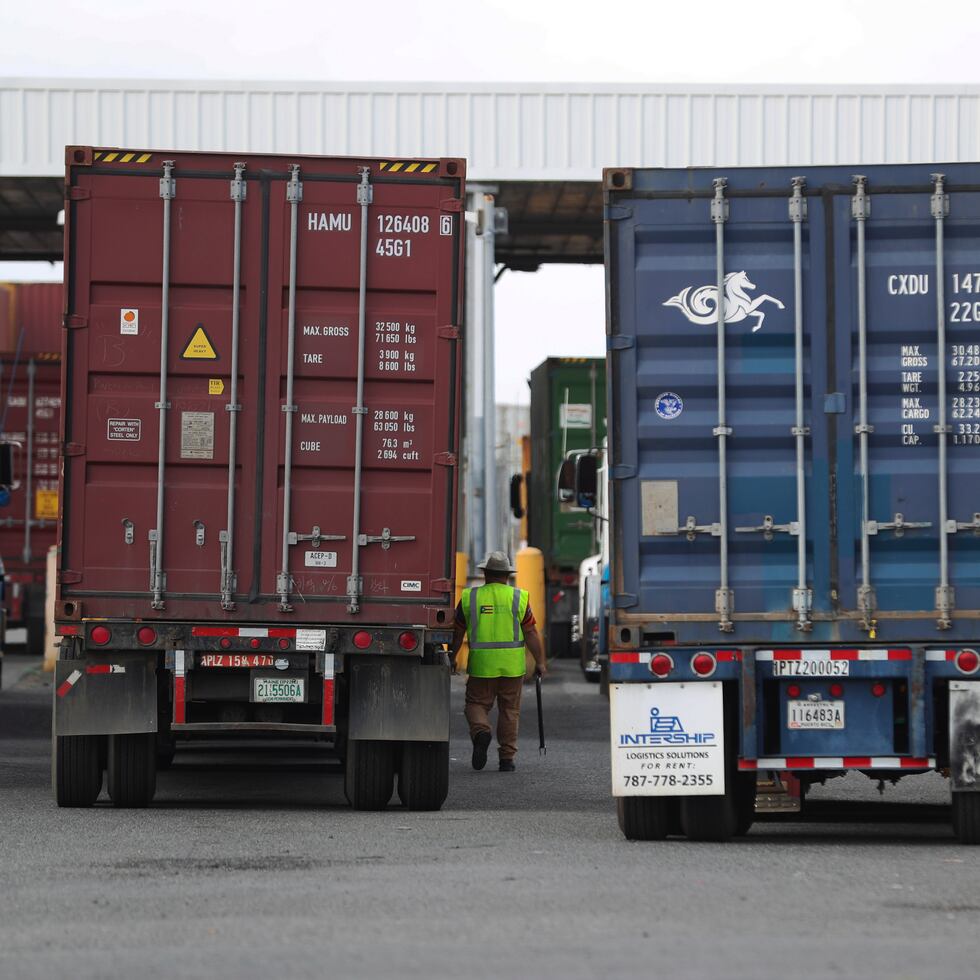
{"x": 667, "y": 739}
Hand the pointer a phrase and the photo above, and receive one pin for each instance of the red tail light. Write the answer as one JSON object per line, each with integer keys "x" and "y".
{"x": 661, "y": 665}
{"x": 101, "y": 635}
{"x": 146, "y": 635}
{"x": 408, "y": 640}
{"x": 704, "y": 664}
{"x": 878, "y": 689}
{"x": 362, "y": 639}
{"x": 793, "y": 690}
{"x": 967, "y": 661}
{"x": 837, "y": 690}
{"x": 283, "y": 643}
{"x": 224, "y": 643}
{"x": 255, "y": 643}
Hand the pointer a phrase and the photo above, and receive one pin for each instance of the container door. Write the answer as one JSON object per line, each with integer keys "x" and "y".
{"x": 671, "y": 470}
{"x": 404, "y": 482}
{"x": 899, "y": 554}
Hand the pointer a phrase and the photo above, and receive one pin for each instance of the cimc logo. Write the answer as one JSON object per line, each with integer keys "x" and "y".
{"x": 666, "y": 730}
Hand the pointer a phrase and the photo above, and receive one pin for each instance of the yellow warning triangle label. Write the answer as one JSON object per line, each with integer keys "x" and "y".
{"x": 199, "y": 347}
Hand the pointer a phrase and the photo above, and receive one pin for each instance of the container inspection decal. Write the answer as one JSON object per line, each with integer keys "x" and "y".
{"x": 700, "y": 304}
{"x": 667, "y": 739}
{"x": 129, "y": 321}
{"x": 669, "y": 405}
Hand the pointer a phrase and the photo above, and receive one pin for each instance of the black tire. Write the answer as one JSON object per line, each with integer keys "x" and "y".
{"x": 745, "y": 792}
{"x": 966, "y": 817}
{"x": 132, "y": 769}
{"x": 165, "y": 756}
{"x": 710, "y": 818}
{"x": 370, "y": 774}
{"x": 604, "y": 679}
{"x": 77, "y": 770}
{"x": 423, "y": 779}
{"x": 643, "y": 817}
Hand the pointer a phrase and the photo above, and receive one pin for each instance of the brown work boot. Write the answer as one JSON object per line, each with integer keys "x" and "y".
{"x": 507, "y": 765}
{"x": 481, "y": 742}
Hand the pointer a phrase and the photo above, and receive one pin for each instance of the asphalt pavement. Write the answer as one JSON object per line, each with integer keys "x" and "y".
{"x": 250, "y": 864}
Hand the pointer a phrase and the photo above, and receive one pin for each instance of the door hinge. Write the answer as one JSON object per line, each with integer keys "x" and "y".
{"x": 441, "y": 584}
{"x": 77, "y": 194}
{"x": 451, "y": 204}
{"x": 73, "y": 449}
{"x": 620, "y": 341}
{"x": 623, "y": 471}
{"x": 624, "y": 600}
{"x": 613, "y": 212}
{"x": 68, "y": 577}
{"x": 444, "y": 459}
{"x": 73, "y": 321}
{"x": 448, "y": 332}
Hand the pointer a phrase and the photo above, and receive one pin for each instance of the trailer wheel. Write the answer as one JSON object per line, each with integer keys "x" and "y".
{"x": 718, "y": 818}
{"x": 77, "y": 770}
{"x": 745, "y": 792}
{"x": 423, "y": 779}
{"x": 132, "y": 769}
{"x": 370, "y": 773}
{"x": 643, "y": 817}
{"x": 966, "y": 817}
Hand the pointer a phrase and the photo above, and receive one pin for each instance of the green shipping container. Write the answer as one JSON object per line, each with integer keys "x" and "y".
{"x": 568, "y": 411}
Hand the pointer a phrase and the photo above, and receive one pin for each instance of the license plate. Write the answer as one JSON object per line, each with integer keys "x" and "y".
{"x": 811, "y": 668}
{"x": 815, "y": 714}
{"x": 279, "y": 690}
{"x": 236, "y": 660}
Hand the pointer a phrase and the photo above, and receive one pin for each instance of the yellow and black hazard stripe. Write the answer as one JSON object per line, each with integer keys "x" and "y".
{"x": 408, "y": 166}
{"x": 575, "y": 360}
{"x": 121, "y": 156}
{"x": 46, "y": 356}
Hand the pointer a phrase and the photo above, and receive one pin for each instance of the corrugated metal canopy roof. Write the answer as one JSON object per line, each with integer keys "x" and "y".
{"x": 29, "y": 209}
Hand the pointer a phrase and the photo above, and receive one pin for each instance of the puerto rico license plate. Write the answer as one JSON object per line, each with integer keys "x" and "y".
{"x": 811, "y": 668}
{"x": 279, "y": 690}
{"x": 815, "y": 714}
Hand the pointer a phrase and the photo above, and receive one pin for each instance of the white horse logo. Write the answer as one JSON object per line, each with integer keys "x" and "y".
{"x": 700, "y": 305}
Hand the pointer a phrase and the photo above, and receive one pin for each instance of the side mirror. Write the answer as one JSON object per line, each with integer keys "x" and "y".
{"x": 566, "y": 482}
{"x": 516, "y": 504}
{"x": 6, "y": 464}
{"x": 586, "y": 480}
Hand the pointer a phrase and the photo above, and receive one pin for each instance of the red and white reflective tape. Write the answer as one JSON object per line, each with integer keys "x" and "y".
{"x": 69, "y": 682}
{"x": 833, "y": 655}
{"x": 838, "y": 762}
{"x": 105, "y": 669}
{"x": 261, "y": 632}
{"x": 645, "y": 656}
{"x": 328, "y": 678}
{"x": 180, "y": 688}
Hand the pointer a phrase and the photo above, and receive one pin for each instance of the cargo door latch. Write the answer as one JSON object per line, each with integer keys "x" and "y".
{"x": 385, "y": 538}
{"x": 315, "y": 537}
{"x": 899, "y": 525}
{"x": 769, "y": 527}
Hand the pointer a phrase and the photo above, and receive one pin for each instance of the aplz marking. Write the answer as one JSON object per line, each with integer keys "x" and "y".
{"x": 322, "y": 221}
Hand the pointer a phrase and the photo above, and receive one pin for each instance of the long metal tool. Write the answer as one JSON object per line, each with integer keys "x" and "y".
{"x": 802, "y": 596}
{"x": 945, "y": 600}
{"x": 542, "y": 748}
{"x": 365, "y": 195}
{"x": 860, "y": 211}
{"x": 724, "y": 596}
{"x": 227, "y": 537}
{"x": 294, "y": 194}
{"x": 168, "y": 188}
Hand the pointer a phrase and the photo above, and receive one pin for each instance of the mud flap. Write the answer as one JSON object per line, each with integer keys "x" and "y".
{"x": 113, "y": 694}
{"x": 668, "y": 739}
{"x": 398, "y": 699}
{"x": 964, "y": 736}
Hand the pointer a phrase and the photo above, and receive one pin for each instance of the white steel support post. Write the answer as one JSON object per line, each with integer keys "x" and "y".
{"x": 492, "y": 534}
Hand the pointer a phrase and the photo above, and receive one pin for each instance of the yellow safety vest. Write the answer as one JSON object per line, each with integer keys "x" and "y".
{"x": 493, "y": 614}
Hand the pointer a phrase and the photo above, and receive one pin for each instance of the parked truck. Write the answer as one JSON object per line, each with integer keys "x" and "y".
{"x": 567, "y": 413}
{"x": 261, "y": 377}
{"x": 30, "y": 392}
{"x": 794, "y": 458}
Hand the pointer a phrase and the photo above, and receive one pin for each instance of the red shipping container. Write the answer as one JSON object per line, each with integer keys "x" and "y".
{"x": 317, "y": 525}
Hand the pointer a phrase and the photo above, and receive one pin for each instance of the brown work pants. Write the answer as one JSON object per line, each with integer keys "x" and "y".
{"x": 480, "y": 695}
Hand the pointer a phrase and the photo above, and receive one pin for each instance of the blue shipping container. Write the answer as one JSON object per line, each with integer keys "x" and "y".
{"x": 714, "y": 445}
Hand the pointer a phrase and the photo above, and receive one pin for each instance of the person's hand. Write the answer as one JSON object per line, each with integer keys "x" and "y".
{"x": 541, "y": 669}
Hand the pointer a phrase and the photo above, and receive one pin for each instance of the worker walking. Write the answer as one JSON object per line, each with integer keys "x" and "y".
{"x": 497, "y": 619}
